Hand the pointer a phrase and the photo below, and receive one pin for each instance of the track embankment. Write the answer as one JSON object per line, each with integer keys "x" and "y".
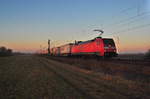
{"x": 129, "y": 69}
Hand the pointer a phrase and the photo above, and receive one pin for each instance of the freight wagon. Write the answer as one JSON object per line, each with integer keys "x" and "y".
{"x": 65, "y": 50}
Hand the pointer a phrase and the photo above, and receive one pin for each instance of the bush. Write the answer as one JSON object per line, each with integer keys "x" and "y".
{"x": 148, "y": 54}
{"x": 5, "y": 52}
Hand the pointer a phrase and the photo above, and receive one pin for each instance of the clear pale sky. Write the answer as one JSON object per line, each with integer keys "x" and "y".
{"x": 25, "y": 25}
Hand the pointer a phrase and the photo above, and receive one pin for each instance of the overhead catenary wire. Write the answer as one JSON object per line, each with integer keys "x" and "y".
{"x": 138, "y": 14}
{"x": 128, "y": 19}
{"x": 131, "y": 29}
{"x": 131, "y": 21}
{"x": 114, "y": 16}
{"x": 122, "y": 11}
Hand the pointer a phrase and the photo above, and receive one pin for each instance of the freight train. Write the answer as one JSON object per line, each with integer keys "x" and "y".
{"x": 98, "y": 46}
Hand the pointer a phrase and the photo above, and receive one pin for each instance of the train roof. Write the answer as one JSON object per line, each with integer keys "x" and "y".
{"x": 107, "y": 38}
{"x": 83, "y": 42}
{"x": 66, "y": 44}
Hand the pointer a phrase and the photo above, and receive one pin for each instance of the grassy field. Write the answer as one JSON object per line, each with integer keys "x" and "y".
{"x": 33, "y": 77}
{"x": 138, "y": 70}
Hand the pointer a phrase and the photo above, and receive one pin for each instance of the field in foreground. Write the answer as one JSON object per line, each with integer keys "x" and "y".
{"x": 33, "y": 77}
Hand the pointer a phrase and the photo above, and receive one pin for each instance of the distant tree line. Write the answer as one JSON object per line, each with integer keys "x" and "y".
{"x": 5, "y": 51}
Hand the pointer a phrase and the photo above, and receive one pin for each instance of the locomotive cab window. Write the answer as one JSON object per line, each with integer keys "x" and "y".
{"x": 108, "y": 42}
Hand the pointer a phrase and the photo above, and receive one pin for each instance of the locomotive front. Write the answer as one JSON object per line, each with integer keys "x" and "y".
{"x": 109, "y": 47}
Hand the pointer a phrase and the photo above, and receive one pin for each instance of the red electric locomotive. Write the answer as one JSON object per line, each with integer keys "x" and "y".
{"x": 98, "y": 46}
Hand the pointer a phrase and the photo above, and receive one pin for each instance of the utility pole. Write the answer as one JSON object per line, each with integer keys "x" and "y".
{"x": 48, "y": 46}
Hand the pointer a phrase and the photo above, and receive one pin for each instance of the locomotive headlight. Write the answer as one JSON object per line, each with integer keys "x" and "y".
{"x": 106, "y": 47}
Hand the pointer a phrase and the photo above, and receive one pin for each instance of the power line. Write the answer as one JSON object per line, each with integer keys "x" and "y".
{"x": 131, "y": 29}
{"x": 132, "y": 21}
{"x": 123, "y": 11}
{"x": 130, "y": 18}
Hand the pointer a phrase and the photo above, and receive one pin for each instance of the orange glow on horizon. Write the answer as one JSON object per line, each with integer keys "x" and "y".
{"x": 36, "y": 46}
{"x": 133, "y": 49}
{"x": 25, "y": 46}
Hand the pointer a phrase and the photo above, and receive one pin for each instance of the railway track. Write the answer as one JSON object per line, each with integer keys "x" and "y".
{"x": 131, "y": 61}
{"x": 145, "y": 62}
{"x": 118, "y": 67}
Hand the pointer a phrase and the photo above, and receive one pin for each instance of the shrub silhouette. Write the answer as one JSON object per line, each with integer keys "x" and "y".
{"x": 5, "y": 52}
{"x": 148, "y": 54}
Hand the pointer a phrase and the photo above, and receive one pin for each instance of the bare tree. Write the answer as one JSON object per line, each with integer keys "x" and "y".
{"x": 5, "y": 52}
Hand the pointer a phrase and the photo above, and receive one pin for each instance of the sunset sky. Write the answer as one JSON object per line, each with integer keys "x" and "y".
{"x": 26, "y": 25}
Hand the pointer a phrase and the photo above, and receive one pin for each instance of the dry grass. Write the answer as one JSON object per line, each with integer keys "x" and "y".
{"x": 137, "y": 72}
{"x": 33, "y": 77}
{"x": 115, "y": 85}
{"x": 24, "y": 77}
